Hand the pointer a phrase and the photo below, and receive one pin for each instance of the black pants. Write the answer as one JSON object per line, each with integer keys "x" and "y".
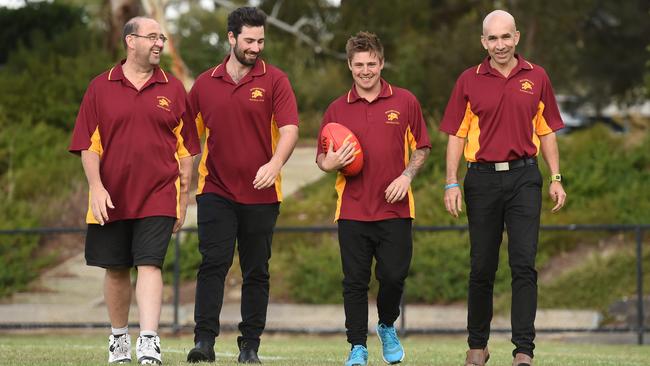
{"x": 221, "y": 222}
{"x": 494, "y": 198}
{"x": 390, "y": 243}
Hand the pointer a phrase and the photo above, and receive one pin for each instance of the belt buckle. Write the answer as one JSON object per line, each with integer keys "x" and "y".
{"x": 501, "y": 167}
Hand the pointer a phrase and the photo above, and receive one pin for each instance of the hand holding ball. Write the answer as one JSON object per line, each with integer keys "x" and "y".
{"x": 338, "y": 135}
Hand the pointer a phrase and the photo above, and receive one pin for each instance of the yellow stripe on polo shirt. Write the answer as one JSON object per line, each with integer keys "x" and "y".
{"x": 470, "y": 129}
{"x": 203, "y": 170}
{"x": 409, "y": 146}
{"x": 200, "y": 125}
{"x": 96, "y": 143}
{"x": 540, "y": 126}
{"x": 340, "y": 187}
{"x": 275, "y": 137}
{"x": 181, "y": 150}
{"x": 96, "y": 147}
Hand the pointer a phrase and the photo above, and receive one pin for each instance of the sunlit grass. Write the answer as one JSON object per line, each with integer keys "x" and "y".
{"x": 90, "y": 349}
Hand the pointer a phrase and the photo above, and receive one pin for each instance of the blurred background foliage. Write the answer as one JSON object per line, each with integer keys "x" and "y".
{"x": 597, "y": 51}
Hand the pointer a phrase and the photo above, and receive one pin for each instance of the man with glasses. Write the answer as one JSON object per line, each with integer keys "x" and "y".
{"x": 502, "y": 113}
{"x": 248, "y": 113}
{"x": 136, "y": 149}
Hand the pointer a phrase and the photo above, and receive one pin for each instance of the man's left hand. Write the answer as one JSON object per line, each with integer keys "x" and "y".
{"x": 183, "y": 199}
{"x": 398, "y": 188}
{"x": 557, "y": 195}
{"x": 179, "y": 222}
{"x": 266, "y": 174}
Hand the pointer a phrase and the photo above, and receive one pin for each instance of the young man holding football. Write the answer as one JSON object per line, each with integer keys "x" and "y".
{"x": 375, "y": 208}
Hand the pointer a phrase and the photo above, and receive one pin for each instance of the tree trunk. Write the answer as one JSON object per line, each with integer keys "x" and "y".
{"x": 118, "y": 12}
{"x": 156, "y": 10}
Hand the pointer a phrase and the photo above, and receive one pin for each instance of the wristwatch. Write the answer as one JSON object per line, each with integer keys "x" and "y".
{"x": 556, "y": 178}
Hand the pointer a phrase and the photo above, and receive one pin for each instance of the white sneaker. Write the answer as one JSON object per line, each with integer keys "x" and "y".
{"x": 119, "y": 349}
{"x": 147, "y": 350}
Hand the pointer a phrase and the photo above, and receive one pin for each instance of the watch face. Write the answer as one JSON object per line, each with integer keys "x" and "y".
{"x": 556, "y": 178}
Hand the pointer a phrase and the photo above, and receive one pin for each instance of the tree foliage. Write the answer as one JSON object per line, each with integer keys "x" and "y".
{"x": 41, "y": 85}
{"x": 591, "y": 48}
{"x": 19, "y": 26}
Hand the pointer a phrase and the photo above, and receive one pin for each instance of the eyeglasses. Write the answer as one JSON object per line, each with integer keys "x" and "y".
{"x": 152, "y": 37}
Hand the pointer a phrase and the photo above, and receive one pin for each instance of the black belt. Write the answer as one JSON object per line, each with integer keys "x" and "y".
{"x": 503, "y": 166}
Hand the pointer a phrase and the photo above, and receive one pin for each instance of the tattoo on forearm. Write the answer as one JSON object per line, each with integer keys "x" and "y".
{"x": 417, "y": 160}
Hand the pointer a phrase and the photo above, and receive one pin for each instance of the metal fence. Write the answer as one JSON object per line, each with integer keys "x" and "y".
{"x": 637, "y": 229}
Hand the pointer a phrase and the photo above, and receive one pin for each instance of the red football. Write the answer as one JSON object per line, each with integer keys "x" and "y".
{"x": 339, "y": 134}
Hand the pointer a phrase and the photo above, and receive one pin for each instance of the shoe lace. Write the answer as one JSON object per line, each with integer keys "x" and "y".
{"x": 120, "y": 345}
{"x": 357, "y": 352}
{"x": 388, "y": 336}
{"x": 147, "y": 343}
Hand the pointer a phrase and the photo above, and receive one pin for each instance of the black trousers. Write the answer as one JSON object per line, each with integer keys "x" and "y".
{"x": 221, "y": 222}
{"x": 390, "y": 243}
{"x": 493, "y": 198}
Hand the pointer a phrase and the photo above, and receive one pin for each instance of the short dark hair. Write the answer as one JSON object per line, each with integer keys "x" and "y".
{"x": 131, "y": 26}
{"x": 364, "y": 42}
{"x": 245, "y": 16}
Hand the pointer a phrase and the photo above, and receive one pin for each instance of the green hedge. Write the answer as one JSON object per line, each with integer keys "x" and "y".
{"x": 41, "y": 87}
{"x": 606, "y": 182}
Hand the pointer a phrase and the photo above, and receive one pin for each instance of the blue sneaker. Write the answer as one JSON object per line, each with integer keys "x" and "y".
{"x": 392, "y": 350}
{"x": 358, "y": 356}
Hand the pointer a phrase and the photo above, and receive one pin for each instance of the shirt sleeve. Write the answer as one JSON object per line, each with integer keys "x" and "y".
{"x": 85, "y": 135}
{"x": 455, "y": 111}
{"x": 548, "y": 117}
{"x": 418, "y": 126}
{"x": 186, "y": 133}
{"x": 285, "y": 108}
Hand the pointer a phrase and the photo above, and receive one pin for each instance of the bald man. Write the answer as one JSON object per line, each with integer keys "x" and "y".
{"x": 137, "y": 153}
{"x": 501, "y": 114}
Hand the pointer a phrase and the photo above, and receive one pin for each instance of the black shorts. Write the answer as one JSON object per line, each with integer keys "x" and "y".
{"x": 128, "y": 243}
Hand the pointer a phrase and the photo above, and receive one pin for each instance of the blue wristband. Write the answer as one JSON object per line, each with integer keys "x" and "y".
{"x": 451, "y": 186}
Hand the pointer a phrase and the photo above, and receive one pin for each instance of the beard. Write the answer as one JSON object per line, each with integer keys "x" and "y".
{"x": 241, "y": 56}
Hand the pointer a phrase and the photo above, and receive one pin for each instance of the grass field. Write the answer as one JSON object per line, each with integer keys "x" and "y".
{"x": 90, "y": 349}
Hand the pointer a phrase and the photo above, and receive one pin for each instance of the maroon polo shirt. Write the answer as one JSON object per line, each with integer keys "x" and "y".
{"x": 389, "y": 129}
{"x": 500, "y": 117}
{"x": 241, "y": 122}
{"x": 139, "y": 136}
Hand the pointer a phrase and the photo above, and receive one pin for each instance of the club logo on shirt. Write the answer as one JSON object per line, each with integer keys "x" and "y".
{"x": 164, "y": 103}
{"x": 526, "y": 86}
{"x": 257, "y": 95}
{"x": 392, "y": 117}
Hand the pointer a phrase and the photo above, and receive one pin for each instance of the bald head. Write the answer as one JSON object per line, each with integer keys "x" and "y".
{"x": 500, "y": 17}
{"x": 500, "y": 37}
{"x": 133, "y": 26}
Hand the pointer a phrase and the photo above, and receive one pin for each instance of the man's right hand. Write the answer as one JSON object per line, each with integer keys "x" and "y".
{"x": 454, "y": 201}
{"x": 335, "y": 160}
{"x": 100, "y": 201}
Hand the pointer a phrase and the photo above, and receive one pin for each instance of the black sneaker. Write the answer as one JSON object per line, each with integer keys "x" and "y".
{"x": 202, "y": 352}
